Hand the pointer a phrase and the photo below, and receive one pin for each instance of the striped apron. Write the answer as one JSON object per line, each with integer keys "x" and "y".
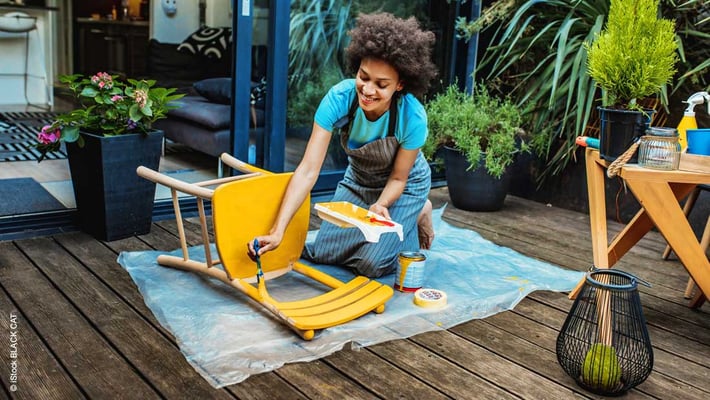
{"x": 365, "y": 177}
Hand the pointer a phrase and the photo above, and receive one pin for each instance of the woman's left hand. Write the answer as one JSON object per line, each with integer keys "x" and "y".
{"x": 380, "y": 210}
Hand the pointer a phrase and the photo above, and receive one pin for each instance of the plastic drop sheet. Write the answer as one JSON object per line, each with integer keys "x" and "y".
{"x": 227, "y": 337}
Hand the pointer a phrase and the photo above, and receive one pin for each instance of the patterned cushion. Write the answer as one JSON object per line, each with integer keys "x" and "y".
{"x": 209, "y": 42}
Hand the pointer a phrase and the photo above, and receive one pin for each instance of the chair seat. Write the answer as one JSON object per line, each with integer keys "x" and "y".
{"x": 350, "y": 301}
{"x": 245, "y": 206}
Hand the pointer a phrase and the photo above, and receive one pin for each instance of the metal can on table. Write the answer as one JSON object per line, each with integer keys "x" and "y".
{"x": 411, "y": 269}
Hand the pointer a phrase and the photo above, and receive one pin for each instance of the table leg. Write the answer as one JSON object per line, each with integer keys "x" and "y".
{"x": 597, "y": 214}
{"x": 660, "y": 201}
{"x": 639, "y": 226}
{"x": 597, "y": 209}
{"x": 689, "y": 203}
{"x": 636, "y": 229}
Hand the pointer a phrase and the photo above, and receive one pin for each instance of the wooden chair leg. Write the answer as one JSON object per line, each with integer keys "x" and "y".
{"x": 687, "y": 207}
{"x": 704, "y": 242}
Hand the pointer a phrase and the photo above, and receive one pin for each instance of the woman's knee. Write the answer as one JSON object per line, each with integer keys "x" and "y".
{"x": 376, "y": 267}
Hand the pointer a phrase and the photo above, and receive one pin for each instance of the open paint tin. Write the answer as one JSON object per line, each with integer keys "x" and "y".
{"x": 411, "y": 269}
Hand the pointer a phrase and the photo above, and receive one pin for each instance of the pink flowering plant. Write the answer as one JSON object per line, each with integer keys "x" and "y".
{"x": 108, "y": 107}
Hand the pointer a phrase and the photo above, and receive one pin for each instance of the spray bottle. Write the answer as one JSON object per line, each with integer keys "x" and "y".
{"x": 688, "y": 120}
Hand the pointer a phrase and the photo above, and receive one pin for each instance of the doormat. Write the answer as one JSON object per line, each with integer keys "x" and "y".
{"x": 18, "y": 136}
{"x": 25, "y": 196}
{"x": 226, "y": 337}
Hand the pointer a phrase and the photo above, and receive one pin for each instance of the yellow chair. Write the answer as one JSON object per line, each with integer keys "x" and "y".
{"x": 244, "y": 207}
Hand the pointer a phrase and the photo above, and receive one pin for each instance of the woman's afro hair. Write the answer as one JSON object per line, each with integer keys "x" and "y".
{"x": 399, "y": 42}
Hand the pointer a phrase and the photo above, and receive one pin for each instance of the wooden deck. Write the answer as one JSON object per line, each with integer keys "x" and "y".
{"x": 83, "y": 331}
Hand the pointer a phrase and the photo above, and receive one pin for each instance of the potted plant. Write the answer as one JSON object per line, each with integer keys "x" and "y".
{"x": 633, "y": 57}
{"x": 107, "y": 137}
{"x": 479, "y": 135}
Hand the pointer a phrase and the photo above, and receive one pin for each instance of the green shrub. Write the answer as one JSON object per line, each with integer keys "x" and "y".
{"x": 477, "y": 124}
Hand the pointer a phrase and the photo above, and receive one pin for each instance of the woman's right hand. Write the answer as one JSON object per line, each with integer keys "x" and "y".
{"x": 266, "y": 243}
{"x": 300, "y": 185}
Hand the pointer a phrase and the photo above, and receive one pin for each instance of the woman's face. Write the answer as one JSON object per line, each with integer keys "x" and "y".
{"x": 376, "y": 82}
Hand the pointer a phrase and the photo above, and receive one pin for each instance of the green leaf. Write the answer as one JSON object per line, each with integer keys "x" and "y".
{"x": 89, "y": 92}
{"x": 70, "y": 134}
{"x": 135, "y": 113}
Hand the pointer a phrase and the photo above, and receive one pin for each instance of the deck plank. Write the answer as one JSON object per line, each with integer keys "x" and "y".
{"x": 659, "y": 384}
{"x": 147, "y": 350}
{"x": 93, "y": 363}
{"x": 390, "y": 382}
{"x": 533, "y": 345}
{"x": 82, "y": 313}
{"x": 39, "y": 374}
{"x": 520, "y": 381}
{"x": 691, "y": 350}
{"x": 438, "y": 372}
{"x": 317, "y": 380}
{"x": 519, "y": 351}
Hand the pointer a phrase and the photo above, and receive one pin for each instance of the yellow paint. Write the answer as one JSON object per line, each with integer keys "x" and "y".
{"x": 245, "y": 209}
{"x": 340, "y": 209}
{"x": 403, "y": 265}
{"x": 347, "y": 215}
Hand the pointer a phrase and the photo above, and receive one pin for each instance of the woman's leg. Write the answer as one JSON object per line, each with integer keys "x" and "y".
{"x": 425, "y": 226}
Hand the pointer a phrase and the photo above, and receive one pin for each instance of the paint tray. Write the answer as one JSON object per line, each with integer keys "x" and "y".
{"x": 347, "y": 215}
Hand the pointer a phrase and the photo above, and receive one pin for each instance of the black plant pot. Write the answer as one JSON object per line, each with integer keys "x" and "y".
{"x": 474, "y": 190}
{"x": 112, "y": 201}
{"x": 619, "y": 129}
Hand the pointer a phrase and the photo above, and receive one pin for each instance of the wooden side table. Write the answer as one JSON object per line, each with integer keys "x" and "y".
{"x": 659, "y": 193}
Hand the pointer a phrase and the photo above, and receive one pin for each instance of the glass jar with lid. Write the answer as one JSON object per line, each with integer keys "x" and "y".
{"x": 659, "y": 149}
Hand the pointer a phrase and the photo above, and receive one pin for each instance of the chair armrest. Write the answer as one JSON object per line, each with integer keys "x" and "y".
{"x": 173, "y": 183}
{"x": 240, "y": 165}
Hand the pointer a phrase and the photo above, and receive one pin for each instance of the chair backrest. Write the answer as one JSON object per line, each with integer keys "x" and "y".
{"x": 244, "y": 209}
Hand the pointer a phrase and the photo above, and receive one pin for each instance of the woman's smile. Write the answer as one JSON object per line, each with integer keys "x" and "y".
{"x": 376, "y": 81}
{"x": 367, "y": 101}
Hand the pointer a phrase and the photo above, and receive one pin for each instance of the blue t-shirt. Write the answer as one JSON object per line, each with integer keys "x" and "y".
{"x": 411, "y": 129}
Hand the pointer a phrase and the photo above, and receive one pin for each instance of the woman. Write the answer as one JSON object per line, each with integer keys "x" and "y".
{"x": 384, "y": 128}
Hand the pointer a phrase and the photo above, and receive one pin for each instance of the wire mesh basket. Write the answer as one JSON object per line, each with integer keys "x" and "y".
{"x": 604, "y": 344}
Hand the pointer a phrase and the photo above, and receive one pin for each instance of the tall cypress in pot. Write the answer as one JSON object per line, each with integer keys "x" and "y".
{"x": 633, "y": 57}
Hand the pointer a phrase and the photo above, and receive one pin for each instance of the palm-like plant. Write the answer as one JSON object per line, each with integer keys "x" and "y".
{"x": 319, "y": 32}
{"x": 693, "y": 34}
{"x": 536, "y": 50}
{"x": 318, "y": 36}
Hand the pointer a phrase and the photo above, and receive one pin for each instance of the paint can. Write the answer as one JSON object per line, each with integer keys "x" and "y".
{"x": 411, "y": 269}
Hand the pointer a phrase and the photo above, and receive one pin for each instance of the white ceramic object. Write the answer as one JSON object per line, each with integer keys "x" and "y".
{"x": 17, "y": 22}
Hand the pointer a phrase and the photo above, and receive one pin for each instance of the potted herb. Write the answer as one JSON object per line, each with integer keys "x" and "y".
{"x": 107, "y": 137}
{"x": 479, "y": 135}
{"x": 633, "y": 57}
